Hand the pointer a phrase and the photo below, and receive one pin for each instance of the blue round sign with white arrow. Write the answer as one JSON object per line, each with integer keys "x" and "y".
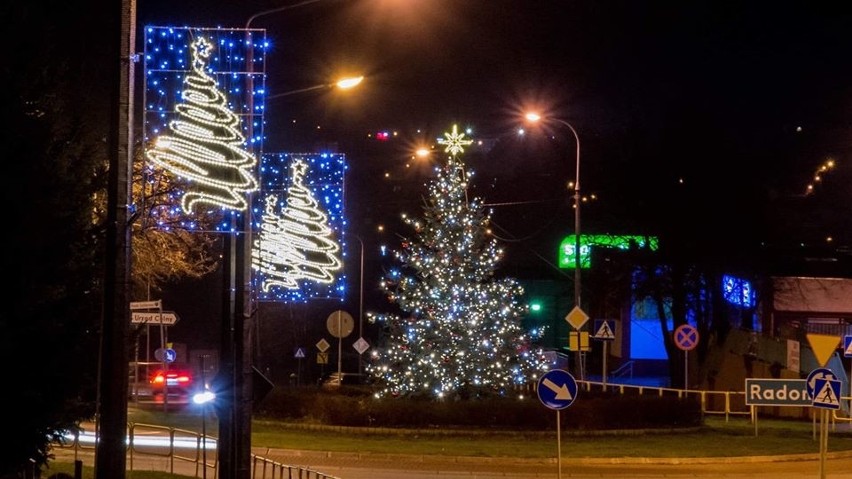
{"x": 557, "y": 389}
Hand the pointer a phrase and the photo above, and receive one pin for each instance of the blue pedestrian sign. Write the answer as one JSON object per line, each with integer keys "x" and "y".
{"x": 847, "y": 346}
{"x": 817, "y": 374}
{"x": 557, "y": 389}
{"x": 299, "y": 353}
{"x": 827, "y": 394}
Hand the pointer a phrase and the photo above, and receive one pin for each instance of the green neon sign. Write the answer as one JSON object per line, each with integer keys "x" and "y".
{"x": 624, "y": 242}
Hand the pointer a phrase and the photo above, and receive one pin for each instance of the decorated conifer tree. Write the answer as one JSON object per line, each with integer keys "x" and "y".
{"x": 460, "y": 333}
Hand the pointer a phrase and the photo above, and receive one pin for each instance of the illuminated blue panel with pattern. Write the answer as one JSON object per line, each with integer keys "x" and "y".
{"x": 237, "y": 64}
{"x": 738, "y": 291}
{"x": 298, "y": 224}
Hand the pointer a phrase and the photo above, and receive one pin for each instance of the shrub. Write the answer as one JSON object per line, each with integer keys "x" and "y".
{"x": 591, "y": 411}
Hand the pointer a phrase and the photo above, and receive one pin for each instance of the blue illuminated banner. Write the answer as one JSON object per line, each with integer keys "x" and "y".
{"x": 298, "y": 222}
{"x": 203, "y": 122}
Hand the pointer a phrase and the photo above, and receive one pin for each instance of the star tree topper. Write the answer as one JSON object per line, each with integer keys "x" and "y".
{"x": 455, "y": 141}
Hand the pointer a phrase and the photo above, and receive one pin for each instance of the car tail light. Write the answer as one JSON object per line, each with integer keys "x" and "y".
{"x": 174, "y": 378}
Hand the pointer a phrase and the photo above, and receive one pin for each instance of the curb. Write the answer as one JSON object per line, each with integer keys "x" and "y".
{"x": 421, "y": 458}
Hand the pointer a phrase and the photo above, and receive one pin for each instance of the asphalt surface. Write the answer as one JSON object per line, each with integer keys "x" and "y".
{"x": 353, "y": 465}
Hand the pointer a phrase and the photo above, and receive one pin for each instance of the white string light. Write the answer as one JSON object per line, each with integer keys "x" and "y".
{"x": 206, "y": 145}
{"x": 295, "y": 244}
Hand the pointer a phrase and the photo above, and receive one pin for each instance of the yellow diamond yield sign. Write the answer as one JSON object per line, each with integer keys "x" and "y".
{"x": 823, "y": 346}
{"x": 577, "y": 318}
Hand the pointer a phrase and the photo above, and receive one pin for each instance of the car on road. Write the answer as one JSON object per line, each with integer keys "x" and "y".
{"x": 176, "y": 378}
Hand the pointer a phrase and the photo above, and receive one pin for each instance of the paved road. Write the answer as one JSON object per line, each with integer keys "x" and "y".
{"x": 372, "y": 466}
{"x": 385, "y": 466}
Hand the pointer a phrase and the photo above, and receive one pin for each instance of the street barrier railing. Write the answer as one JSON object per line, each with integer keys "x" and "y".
{"x": 143, "y": 442}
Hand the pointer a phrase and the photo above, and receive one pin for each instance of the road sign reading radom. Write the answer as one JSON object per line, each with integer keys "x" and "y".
{"x": 686, "y": 337}
{"x": 557, "y": 389}
{"x": 776, "y": 392}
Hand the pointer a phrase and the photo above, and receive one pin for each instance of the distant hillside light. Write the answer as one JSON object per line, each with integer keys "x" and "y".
{"x": 535, "y": 307}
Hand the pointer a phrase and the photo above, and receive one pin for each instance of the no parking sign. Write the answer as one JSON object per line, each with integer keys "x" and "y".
{"x": 686, "y": 337}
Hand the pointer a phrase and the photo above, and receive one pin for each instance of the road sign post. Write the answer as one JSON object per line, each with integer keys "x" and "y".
{"x": 686, "y": 339}
{"x": 820, "y": 384}
{"x": 604, "y": 331}
{"x": 557, "y": 390}
{"x": 847, "y": 352}
{"x": 340, "y": 325}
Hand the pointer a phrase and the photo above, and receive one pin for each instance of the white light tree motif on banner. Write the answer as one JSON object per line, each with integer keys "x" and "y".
{"x": 295, "y": 243}
{"x": 205, "y": 144}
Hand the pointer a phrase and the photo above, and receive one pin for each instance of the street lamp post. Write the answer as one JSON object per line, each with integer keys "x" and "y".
{"x": 361, "y": 305}
{"x": 235, "y": 372}
{"x": 534, "y": 117}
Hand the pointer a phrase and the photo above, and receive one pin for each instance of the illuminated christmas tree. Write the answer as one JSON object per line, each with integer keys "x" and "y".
{"x": 460, "y": 333}
{"x": 206, "y": 145}
{"x": 295, "y": 243}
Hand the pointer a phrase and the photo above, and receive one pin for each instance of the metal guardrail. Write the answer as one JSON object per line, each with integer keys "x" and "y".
{"x": 202, "y": 453}
{"x": 727, "y": 403}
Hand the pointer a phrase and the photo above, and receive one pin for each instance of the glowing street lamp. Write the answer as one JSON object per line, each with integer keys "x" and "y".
{"x": 533, "y": 118}
{"x": 342, "y": 84}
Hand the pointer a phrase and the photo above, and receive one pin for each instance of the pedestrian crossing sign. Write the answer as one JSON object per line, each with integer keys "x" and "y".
{"x": 826, "y": 394}
{"x": 604, "y": 329}
{"x": 847, "y": 346}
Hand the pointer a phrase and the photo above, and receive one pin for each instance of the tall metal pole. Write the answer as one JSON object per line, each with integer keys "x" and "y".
{"x": 577, "y": 263}
{"x": 235, "y": 370}
{"x": 361, "y": 306}
{"x": 110, "y": 450}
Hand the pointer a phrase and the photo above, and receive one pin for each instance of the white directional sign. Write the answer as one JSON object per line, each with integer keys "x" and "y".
{"x": 167, "y": 317}
{"x": 136, "y": 305}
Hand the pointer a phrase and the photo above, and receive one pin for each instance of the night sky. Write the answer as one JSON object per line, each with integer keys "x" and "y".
{"x": 693, "y": 91}
{"x": 702, "y": 118}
